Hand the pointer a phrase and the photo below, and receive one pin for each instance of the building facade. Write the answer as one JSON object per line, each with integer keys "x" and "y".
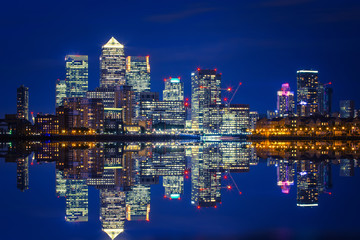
{"x": 307, "y": 102}
{"x": 174, "y": 90}
{"x": 205, "y": 91}
{"x": 112, "y": 64}
{"x": 60, "y": 92}
{"x": 22, "y": 103}
{"x": 285, "y": 101}
{"x": 77, "y": 70}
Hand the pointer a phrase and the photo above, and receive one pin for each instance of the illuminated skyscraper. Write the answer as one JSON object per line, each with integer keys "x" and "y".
{"x": 138, "y": 203}
{"x": 285, "y": 101}
{"x": 205, "y": 91}
{"x": 60, "y": 92}
{"x": 77, "y": 69}
{"x": 174, "y": 90}
{"x": 285, "y": 174}
{"x": 307, "y": 184}
{"x": 112, "y": 211}
{"x": 138, "y": 77}
{"x": 22, "y": 170}
{"x": 77, "y": 206}
{"x": 307, "y": 92}
{"x": 22, "y": 102}
{"x": 174, "y": 186}
{"x": 112, "y": 64}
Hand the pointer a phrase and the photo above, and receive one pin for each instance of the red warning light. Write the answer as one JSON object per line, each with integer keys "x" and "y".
{"x": 329, "y": 193}
{"x": 225, "y": 99}
{"x": 215, "y": 69}
{"x": 215, "y": 206}
{"x": 229, "y": 89}
{"x": 330, "y": 83}
{"x": 198, "y": 207}
{"x": 187, "y": 99}
{"x": 240, "y": 193}
{"x": 229, "y": 187}
{"x": 164, "y": 196}
{"x": 186, "y": 104}
{"x": 225, "y": 177}
{"x": 186, "y": 172}
{"x": 164, "y": 79}
{"x": 198, "y": 69}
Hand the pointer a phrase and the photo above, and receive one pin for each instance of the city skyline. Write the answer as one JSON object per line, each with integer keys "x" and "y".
{"x": 250, "y": 44}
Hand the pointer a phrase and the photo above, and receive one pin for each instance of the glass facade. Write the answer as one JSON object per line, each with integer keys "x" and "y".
{"x": 307, "y": 93}
{"x": 205, "y": 91}
{"x": 174, "y": 90}
{"x": 22, "y": 104}
{"x": 285, "y": 101}
{"x": 60, "y": 92}
{"x": 112, "y": 64}
{"x": 77, "y": 70}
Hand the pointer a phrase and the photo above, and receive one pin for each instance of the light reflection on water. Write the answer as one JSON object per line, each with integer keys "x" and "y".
{"x": 132, "y": 183}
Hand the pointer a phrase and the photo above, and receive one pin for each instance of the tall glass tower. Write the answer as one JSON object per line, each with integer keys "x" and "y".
{"x": 22, "y": 102}
{"x": 307, "y": 92}
{"x": 138, "y": 77}
{"x": 112, "y": 64}
{"x": 205, "y": 91}
{"x": 77, "y": 68}
{"x": 285, "y": 101}
{"x": 174, "y": 90}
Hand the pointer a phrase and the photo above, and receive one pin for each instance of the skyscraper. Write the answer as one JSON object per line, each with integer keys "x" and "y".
{"x": 22, "y": 102}
{"x": 347, "y": 108}
{"x": 60, "y": 92}
{"x": 205, "y": 91}
{"x": 112, "y": 64}
{"x": 307, "y": 92}
{"x": 285, "y": 101}
{"x": 77, "y": 69}
{"x": 174, "y": 90}
{"x": 138, "y": 77}
{"x": 325, "y": 98}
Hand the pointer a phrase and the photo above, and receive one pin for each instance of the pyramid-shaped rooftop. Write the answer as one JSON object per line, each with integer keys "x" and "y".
{"x": 113, "y": 43}
{"x": 113, "y": 233}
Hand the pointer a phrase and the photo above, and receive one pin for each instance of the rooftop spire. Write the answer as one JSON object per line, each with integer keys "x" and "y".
{"x": 113, "y": 43}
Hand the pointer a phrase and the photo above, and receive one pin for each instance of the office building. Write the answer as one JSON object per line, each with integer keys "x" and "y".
{"x": 60, "y": 92}
{"x": 47, "y": 124}
{"x": 77, "y": 205}
{"x": 285, "y": 101}
{"x": 307, "y": 102}
{"x": 174, "y": 90}
{"x": 347, "y": 108}
{"x": 77, "y": 70}
{"x": 112, "y": 211}
{"x": 107, "y": 95}
{"x": 254, "y": 117}
{"x": 325, "y": 99}
{"x": 205, "y": 91}
{"x": 124, "y": 98}
{"x": 22, "y": 172}
{"x": 22, "y": 102}
{"x": 112, "y": 64}
{"x": 230, "y": 119}
{"x": 93, "y": 113}
{"x": 138, "y": 77}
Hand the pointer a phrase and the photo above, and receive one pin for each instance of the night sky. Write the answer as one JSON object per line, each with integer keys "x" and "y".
{"x": 260, "y": 43}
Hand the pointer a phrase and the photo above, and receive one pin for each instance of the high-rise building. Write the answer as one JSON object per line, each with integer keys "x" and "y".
{"x": 77, "y": 70}
{"x": 112, "y": 64}
{"x": 285, "y": 101}
{"x": 138, "y": 77}
{"x": 307, "y": 184}
{"x": 77, "y": 206}
{"x": 112, "y": 211}
{"x": 22, "y": 171}
{"x": 347, "y": 108}
{"x": 174, "y": 90}
{"x": 22, "y": 102}
{"x": 325, "y": 98}
{"x": 60, "y": 92}
{"x": 205, "y": 91}
{"x": 307, "y": 92}
{"x": 124, "y": 98}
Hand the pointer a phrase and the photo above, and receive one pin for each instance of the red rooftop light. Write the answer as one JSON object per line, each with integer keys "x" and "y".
{"x": 229, "y": 89}
{"x": 198, "y": 69}
{"x": 229, "y": 187}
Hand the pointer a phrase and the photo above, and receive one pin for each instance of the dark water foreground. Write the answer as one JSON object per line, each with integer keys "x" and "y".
{"x": 180, "y": 189}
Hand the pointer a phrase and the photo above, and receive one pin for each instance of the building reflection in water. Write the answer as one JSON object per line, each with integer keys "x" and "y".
{"x": 124, "y": 172}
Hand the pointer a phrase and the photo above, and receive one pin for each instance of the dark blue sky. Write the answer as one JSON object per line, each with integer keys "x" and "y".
{"x": 260, "y": 43}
